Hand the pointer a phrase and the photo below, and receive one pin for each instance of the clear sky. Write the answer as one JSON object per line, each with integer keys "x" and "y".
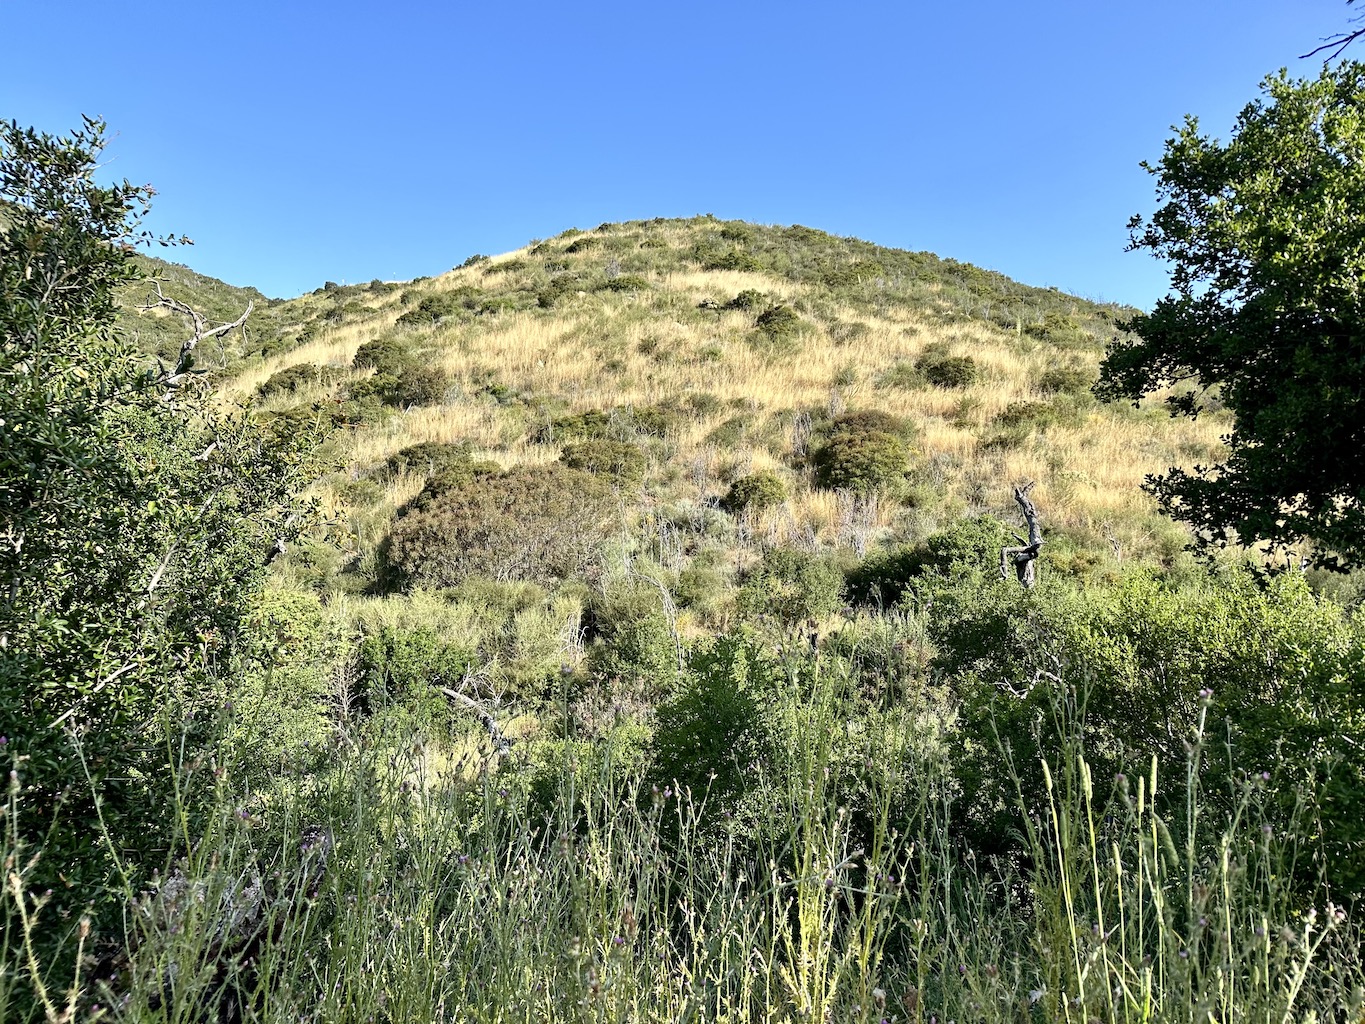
{"x": 301, "y": 142}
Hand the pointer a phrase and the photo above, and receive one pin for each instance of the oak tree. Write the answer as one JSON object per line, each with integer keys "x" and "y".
{"x": 1265, "y": 235}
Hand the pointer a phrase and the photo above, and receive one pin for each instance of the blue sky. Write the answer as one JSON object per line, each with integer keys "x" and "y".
{"x": 303, "y": 142}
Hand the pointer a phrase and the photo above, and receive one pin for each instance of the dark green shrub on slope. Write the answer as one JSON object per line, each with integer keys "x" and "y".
{"x": 538, "y": 524}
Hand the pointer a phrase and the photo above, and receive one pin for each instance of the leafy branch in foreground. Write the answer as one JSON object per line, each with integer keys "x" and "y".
{"x": 1266, "y": 237}
{"x": 134, "y": 521}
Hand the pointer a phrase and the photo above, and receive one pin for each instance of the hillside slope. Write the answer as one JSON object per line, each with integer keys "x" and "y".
{"x": 723, "y": 349}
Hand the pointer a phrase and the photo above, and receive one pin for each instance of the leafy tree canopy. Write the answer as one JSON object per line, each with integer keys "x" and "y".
{"x": 1266, "y": 238}
{"x": 135, "y": 520}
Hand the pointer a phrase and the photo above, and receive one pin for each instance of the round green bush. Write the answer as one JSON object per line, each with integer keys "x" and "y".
{"x": 754, "y": 493}
{"x": 778, "y": 322}
{"x": 289, "y": 380}
{"x": 944, "y": 370}
{"x": 541, "y": 524}
{"x": 383, "y": 355}
{"x": 622, "y": 461}
{"x": 861, "y": 461}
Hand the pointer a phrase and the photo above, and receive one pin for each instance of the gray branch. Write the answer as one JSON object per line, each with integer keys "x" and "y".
{"x": 201, "y": 331}
{"x": 1025, "y": 554}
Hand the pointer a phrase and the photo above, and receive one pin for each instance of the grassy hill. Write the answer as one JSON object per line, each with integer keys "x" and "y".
{"x": 660, "y": 325}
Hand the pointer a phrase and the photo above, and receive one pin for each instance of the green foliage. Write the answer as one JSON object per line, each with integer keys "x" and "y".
{"x": 726, "y": 259}
{"x": 290, "y": 379}
{"x": 622, "y": 461}
{"x": 594, "y": 423}
{"x": 283, "y": 703}
{"x": 624, "y": 283}
{"x": 386, "y": 356}
{"x": 778, "y": 322}
{"x": 865, "y": 452}
{"x": 756, "y": 492}
{"x": 137, "y": 518}
{"x": 1266, "y": 237}
{"x": 791, "y": 586}
{"x": 1067, "y": 380}
{"x": 429, "y": 459}
{"x": 970, "y": 549}
{"x": 433, "y": 309}
{"x": 710, "y": 732}
{"x": 943, "y": 370}
{"x": 1277, "y": 666}
{"x": 535, "y": 524}
{"x": 748, "y": 300}
{"x": 398, "y": 676}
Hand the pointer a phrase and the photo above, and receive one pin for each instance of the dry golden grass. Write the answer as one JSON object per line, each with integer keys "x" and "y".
{"x": 603, "y": 350}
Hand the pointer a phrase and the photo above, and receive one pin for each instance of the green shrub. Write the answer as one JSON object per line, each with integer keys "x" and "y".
{"x": 290, "y": 379}
{"x": 428, "y": 458}
{"x": 754, "y": 493}
{"x": 946, "y": 371}
{"x": 441, "y": 306}
{"x": 711, "y": 731}
{"x": 778, "y": 322}
{"x": 575, "y": 426}
{"x": 634, "y": 639}
{"x": 968, "y": 549}
{"x": 1268, "y": 661}
{"x": 622, "y": 461}
{"x": 747, "y": 300}
{"x": 420, "y": 385}
{"x": 398, "y": 675}
{"x": 791, "y": 586}
{"x": 727, "y": 259}
{"x": 870, "y": 421}
{"x": 1070, "y": 380}
{"x": 539, "y": 524}
{"x": 384, "y": 355}
{"x": 413, "y": 385}
{"x": 474, "y": 260}
{"x": 858, "y": 456}
{"x": 652, "y": 420}
{"x": 624, "y": 283}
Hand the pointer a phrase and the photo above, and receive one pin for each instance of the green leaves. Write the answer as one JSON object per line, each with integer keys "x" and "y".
{"x": 1266, "y": 237}
{"x": 134, "y": 521}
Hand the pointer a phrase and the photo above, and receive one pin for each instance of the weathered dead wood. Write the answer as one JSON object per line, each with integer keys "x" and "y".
{"x": 201, "y": 331}
{"x": 1025, "y": 554}
{"x": 501, "y": 744}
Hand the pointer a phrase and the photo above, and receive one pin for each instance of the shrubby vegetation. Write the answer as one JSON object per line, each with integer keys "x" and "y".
{"x": 714, "y": 706}
{"x": 535, "y": 524}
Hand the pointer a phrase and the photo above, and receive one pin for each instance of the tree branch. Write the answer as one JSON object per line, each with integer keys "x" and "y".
{"x": 501, "y": 744}
{"x": 201, "y": 331}
{"x": 1025, "y": 554}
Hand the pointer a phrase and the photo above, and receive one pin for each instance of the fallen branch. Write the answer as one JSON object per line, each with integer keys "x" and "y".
{"x": 501, "y": 744}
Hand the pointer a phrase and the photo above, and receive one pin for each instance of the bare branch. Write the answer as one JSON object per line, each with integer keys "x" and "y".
{"x": 201, "y": 331}
{"x": 1336, "y": 44}
{"x": 1025, "y": 554}
{"x": 501, "y": 743}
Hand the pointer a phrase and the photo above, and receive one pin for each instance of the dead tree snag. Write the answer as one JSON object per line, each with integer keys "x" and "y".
{"x": 1026, "y": 553}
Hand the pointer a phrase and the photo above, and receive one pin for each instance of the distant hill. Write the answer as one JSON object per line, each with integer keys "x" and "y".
{"x": 719, "y": 349}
